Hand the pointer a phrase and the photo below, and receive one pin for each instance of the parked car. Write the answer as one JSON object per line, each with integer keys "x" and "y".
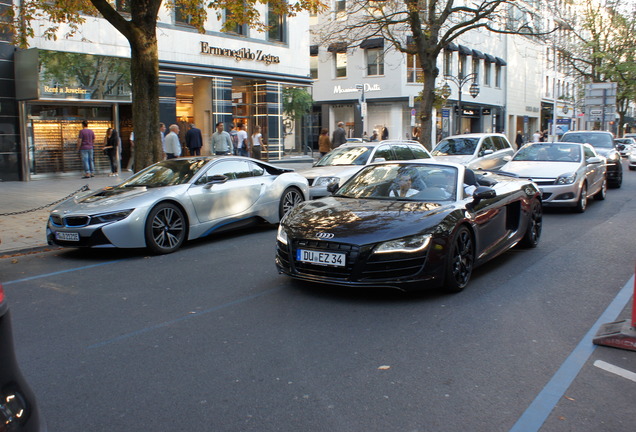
{"x": 18, "y": 407}
{"x": 408, "y": 225}
{"x": 341, "y": 163}
{"x": 176, "y": 200}
{"x": 485, "y": 151}
{"x": 567, "y": 173}
{"x": 603, "y": 143}
{"x": 631, "y": 160}
{"x": 625, "y": 145}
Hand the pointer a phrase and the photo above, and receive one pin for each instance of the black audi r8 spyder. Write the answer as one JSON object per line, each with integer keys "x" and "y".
{"x": 409, "y": 225}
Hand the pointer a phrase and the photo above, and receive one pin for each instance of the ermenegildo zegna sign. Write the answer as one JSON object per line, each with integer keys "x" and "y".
{"x": 239, "y": 54}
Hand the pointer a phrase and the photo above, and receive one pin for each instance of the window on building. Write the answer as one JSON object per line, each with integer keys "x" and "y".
{"x": 341, "y": 6}
{"x": 239, "y": 29}
{"x": 487, "y": 73}
{"x": 547, "y": 86}
{"x": 448, "y": 62}
{"x": 476, "y": 69}
{"x": 181, "y": 15}
{"x": 462, "y": 65}
{"x": 497, "y": 76}
{"x": 341, "y": 64}
{"x": 375, "y": 61}
{"x": 414, "y": 73}
{"x": 276, "y": 23}
{"x": 313, "y": 61}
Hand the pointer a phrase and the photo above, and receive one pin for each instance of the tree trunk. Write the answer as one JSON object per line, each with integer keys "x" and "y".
{"x": 144, "y": 72}
{"x": 430, "y": 72}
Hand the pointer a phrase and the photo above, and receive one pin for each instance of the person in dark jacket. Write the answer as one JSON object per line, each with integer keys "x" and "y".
{"x": 194, "y": 140}
{"x": 339, "y": 136}
{"x": 519, "y": 140}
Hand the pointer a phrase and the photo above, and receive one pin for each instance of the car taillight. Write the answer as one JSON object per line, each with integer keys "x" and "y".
{"x": 1, "y": 294}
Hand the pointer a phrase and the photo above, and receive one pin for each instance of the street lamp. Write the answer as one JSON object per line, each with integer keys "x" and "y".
{"x": 460, "y": 82}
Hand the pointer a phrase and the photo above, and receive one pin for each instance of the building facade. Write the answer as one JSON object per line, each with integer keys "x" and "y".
{"x": 231, "y": 77}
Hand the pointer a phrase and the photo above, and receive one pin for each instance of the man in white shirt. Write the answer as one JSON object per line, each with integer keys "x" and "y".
{"x": 243, "y": 146}
{"x": 221, "y": 141}
{"x": 173, "y": 146}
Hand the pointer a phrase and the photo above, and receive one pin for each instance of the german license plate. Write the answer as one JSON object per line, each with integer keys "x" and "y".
{"x": 67, "y": 236}
{"x": 321, "y": 258}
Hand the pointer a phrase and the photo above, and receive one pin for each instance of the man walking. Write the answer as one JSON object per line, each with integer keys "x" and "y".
{"x": 243, "y": 146}
{"x": 221, "y": 141}
{"x": 194, "y": 140}
{"x": 173, "y": 146}
{"x": 339, "y": 136}
{"x": 85, "y": 142}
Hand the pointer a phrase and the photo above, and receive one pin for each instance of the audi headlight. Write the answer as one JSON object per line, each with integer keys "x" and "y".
{"x": 410, "y": 244}
{"x": 566, "y": 179}
{"x": 281, "y": 236}
{"x": 110, "y": 217}
{"x": 326, "y": 181}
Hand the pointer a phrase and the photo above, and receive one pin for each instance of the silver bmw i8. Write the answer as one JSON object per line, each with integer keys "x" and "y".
{"x": 176, "y": 200}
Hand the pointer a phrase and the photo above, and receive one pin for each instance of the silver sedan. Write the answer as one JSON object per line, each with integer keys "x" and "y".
{"x": 176, "y": 200}
{"x": 567, "y": 173}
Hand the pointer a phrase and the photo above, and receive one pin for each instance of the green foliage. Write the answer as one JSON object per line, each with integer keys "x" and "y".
{"x": 296, "y": 102}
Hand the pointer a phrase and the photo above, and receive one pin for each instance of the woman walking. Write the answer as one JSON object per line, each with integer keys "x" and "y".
{"x": 324, "y": 143}
{"x": 257, "y": 142}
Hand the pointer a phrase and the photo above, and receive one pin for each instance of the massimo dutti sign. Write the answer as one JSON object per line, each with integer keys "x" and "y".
{"x": 239, "y": 54}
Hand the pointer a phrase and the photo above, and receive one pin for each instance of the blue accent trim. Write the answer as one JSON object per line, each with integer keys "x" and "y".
{"x": 214, "y": 228}
{"x": 539, "y": 410}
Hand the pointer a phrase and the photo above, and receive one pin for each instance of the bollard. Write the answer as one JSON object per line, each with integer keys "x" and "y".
{"x": 619, "y": 334}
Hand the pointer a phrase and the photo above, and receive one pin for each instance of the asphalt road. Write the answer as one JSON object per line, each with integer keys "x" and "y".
{"x": 211, "y": 338}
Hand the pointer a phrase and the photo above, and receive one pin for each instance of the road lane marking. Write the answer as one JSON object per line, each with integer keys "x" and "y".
{"x": 615, "y": 370}
{"x": 539, "y": 410}
{"x": 182, "y": 318}
{"x": 61, "y": 272}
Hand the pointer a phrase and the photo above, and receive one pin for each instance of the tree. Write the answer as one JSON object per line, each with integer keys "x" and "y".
{"x": 431, "y": 25}
{"x": 136, "y": 20}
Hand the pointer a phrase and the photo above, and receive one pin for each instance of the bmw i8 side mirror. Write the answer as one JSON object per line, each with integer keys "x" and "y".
{"x": 215, "y": 179}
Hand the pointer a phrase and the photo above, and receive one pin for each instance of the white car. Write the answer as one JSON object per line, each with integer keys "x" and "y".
{"x": 476, "y": 151}
{"x": 567, "y": 173}
{"x": 340, "y": 164}
{"x": 631, "y": 160}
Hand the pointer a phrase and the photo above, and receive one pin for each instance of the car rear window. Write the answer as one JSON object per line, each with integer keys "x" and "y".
{"x": 603, "y": 140}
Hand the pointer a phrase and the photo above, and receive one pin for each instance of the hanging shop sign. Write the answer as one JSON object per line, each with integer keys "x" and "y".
{"x": 239, "y": 54}
{"x": 367, "y": 88}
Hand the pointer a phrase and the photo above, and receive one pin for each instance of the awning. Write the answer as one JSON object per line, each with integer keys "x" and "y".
{"x": 500, "y": 61}
{"x": 372, "y": 43}
{"x": 338, "y": 47}
{"x": 478, "y": 54}
{"x": 313, "y": 50}
{"x": 451, "y": 47}
{"x": 490, "y": 58}
{"x": 465, "y": 50}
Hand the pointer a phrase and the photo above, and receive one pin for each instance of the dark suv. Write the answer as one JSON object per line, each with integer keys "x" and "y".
{"x": 603, "y": 143}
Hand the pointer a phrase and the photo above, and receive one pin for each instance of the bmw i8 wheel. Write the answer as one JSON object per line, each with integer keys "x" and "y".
{"x": 290, "y": 199}
{"x": 535, "y": 223}
{"x": 460, "y": 261}
{"x": 165, "y": 228}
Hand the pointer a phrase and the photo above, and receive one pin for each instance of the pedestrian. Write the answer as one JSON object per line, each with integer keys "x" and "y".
{"x": 173, "y": 145}
{"x": 339, "y": 136}
{"x": 243, "y": 145}
{"x": 545, "y": 135}
{"x": 221, "y": 141}
{"x": 162, "y": 134}
{"x": 130, "y": 164}
{"x": 374, "y": 137}
{"x": 234, "y": 136}
{"x": 194, "y": 140}
{"x": 85, "y": 142}
{"x": 324, "y": 143}
{"x": 111, "y": 148}
{"x": 536, "y": 137}
{"x": 519, "y": 140}
{"x": 385, "y": 133}
{"x": 257, "y": 142}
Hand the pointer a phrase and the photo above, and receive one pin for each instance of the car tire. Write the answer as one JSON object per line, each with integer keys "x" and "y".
{"x": 290, "y": 199}
{"x": 601, "y": 194}
{"x": 460, "y": 261}
{"x": 581, "y": 204}
{"x": 618, "y": 181}
{"x": 535, "y": 224}
{"x": 165, "y": 228}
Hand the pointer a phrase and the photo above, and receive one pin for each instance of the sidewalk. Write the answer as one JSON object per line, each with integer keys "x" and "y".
{"x": 26, "y": 231}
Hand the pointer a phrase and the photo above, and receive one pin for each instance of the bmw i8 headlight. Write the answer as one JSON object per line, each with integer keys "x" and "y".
{"x": 110, "y": 217}
{"x": 404, "y": 245}
{"x": 566, "y": 179}
{"x": 281, "y": 236}
{"x": 326, "y": 181}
